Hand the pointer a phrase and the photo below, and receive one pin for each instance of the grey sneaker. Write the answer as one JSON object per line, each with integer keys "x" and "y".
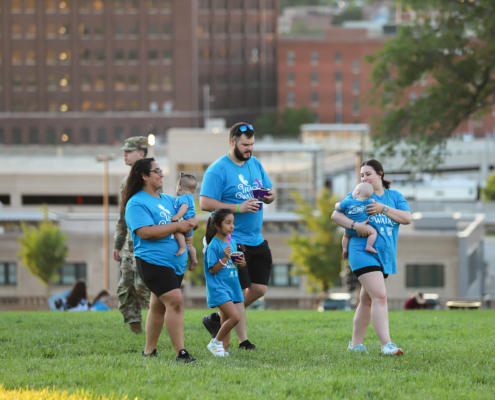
{"x": 360, "y": 348}
{"x": 390, "y": 349}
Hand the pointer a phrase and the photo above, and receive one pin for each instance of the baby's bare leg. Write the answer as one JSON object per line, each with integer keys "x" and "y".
{"x": 192, "y": 252}
{"x": 371, "y": 239}
{"x": 181, "y": 240}
{"x": 345, "y": 245}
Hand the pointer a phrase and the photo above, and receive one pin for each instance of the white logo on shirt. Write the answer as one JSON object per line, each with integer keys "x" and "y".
{"x": 244, "y": 181}
{"x": 356, "y": 210}
{"x": 167, "y": 215}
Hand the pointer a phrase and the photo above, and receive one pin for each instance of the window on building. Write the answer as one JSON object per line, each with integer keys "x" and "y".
{"x": 291, "y": 57}
{"x": 51, "y": 137}
{"x": 338, "y": 78}
{"x": 64, "y": 107}
{"x": 30, "y": 57}
{"x": 204, "y": 4}
{"x": 118, "y": 5}
{"x": 100, "y": 82}
{"x": 338, "y": 58}
{"x": 166, "y": 83}
{"x": 314, "y": 58}
{"x": 86, "y": 82}
{"x": 16, "y": 57}
{"x": 50, "y": 6}
{"x": 355, "y": 66}
{"x": 32, "y": 106}
{"x": 133, "y": 56}
{"x": 85, "y": 55}
{"x": 253, "y": 4}
{"x": 355, "y": 108}
{"x": 203, "y": 30}
{"x": 476, "y": 263}
{"x": 221, "y": 29}
{"x": 66, "y": 135}
{"x": 84, "y": 6}
{"x": 98, "y": 31}
{"x": 17, "y": 82}
{"x": 167, "y": 56}
{"x": 152, "y": 30}
{"x": 132, "y": 6}
{"x": 86, "y": 106}
{"x": 338, "y": 118}
{"x": 204, "y": 54}
{"x": 118, "y": 31}
{"x": 33, "y": 136}
{"x": 314, "y": 78}
{"x": 64, "y": 30}
{"x": 64, "y": 56}
{"x": 16, "y": 31}
{"x": 8, "y": 273}
{"x": 220, "y": 4}
{"x": 291, "y": 99}
{"x": 152, "y": 56}
{"x": 237, "y": 28}
{"x": 119, "y": 83}
{"x": 51, "y": 31}
{"x": 166, "y": 29}
{"x": 152, "y": 5}
{"x": 85, "y": 135}
{"x": 314, "y": 99}
{"x": 424, "y": 275}
{"x": 133, "y": 30}
{"x": 31, "y": 31}
{"x": 100, "y": 106}
{"x": 221, "y": 54}
{"x": 51, "y": 82}
{"x": 253, "y": 29}
{"x": 64, "y": 5}
{"x": 16, "y": 6}
{"x": 153, "y": 107}
{"x": 281, "y": 275}
{"x": 99, "y": 55}
{"x": 98, "y": 6}
{"x": 355, "y": 87}
{"x": 153, "y": 82}
{"x": 2, "y": 141}
{"x": 16, "y": 135}
{"x": 237, "y": 4}
{"x": 30, "y": 6}
{"x": 133, "y": 82}
{"x": 119, "y": 56}
{"x": 338, "y": 97}
{"x": 84, "y": 30}
{"x": 101, "y": 136}
{"x": 70, "y": 273}
{"x": 290, "y": 78}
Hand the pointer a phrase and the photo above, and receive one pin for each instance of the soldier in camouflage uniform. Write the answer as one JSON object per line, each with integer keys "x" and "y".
{"x": 132, "y": 292}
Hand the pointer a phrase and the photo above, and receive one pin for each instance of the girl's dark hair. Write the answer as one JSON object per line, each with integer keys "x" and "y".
{"x": 102, "y": 293}
{"x": 135, "y": 181}
{"x": 375, "y": 164}
{"x": 216, "y": 219}
{"x": 78, "y": 292}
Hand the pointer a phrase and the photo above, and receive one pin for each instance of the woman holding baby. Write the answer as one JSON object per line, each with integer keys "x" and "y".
{"x": 388, "y": 209}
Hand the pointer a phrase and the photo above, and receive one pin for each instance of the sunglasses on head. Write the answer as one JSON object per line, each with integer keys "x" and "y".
{"x": 244, "y": 128}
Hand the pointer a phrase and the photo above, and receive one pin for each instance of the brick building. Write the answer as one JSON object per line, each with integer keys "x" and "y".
{"x": 329, "y": 74}
{"x": 95, "y": 71}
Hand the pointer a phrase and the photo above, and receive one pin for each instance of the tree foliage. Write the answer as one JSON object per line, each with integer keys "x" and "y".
{"x": 350, "y": 13}
{"x": 197, "y": 276}
{"x": 489, "y": 189}
{"x": 286, "y": 124}
{"x": 450, "y": 43}
{"x": 319, "y": 253}
{"x": 43, "y": 249}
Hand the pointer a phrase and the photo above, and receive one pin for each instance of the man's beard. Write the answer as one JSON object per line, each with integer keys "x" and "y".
{"x": 240, "y": 156}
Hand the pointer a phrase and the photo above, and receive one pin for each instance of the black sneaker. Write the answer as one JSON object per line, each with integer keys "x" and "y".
{"x": 212, "y": 324}
{"x": 185, "y": 357}
{"x": 152, "y": 354}
{"x": 247, "y": 345}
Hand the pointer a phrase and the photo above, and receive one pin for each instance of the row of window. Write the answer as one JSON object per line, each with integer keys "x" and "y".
{"x": 314, "y": 79}
{"x": 98, "y": 6}
{"x": 236, "y": 4}
{"x": 291, "y": 101}
{"x": 83, "y": 136}
{"x": 97, "y": 56}
{"x": 204, "y": 30}
{"x": 67, "y": 275}
{"x": 253, "y": 55}
{"x": 314, "y": 60}
{"x": 63, "y": 31}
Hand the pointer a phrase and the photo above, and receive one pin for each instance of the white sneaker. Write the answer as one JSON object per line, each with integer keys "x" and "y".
{"x": 390, "y": 349}
{"x": 216, "y": 348}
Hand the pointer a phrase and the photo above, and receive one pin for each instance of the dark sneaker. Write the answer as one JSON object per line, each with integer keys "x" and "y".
{"x": 152, "y": 354}
{"x": 247, "y": 345}
{"x": 185, "y": 357}
{"x": 212, "y": 324}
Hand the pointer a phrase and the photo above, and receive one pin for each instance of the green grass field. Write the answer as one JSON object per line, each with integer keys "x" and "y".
{"x": 300, "y": 355}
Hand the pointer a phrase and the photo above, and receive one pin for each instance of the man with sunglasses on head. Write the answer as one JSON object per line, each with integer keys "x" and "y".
{"x": 229, "y": 183}
{"x": 131, "y": 291}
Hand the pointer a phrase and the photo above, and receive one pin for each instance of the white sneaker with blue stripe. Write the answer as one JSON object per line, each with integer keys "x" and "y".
{"x": 390, "y": 349}
{"x": 360, "y": 348}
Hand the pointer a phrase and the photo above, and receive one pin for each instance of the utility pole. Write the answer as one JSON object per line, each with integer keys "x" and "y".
{"x": 206, "y": 104}
{"x": 105, "y": 158}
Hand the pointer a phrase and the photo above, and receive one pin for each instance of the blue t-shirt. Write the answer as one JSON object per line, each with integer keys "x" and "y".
{"x": 233, "y": 184}
{"x": 355, "y": 209}
{"x": 386, "y": 241}
{"x": 146, "y": 210}
{"x": 189, "y": 200}
{"x": 223, "y": 286}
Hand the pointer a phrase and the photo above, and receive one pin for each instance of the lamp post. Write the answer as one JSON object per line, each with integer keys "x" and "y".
{"x": 105, "y": 158}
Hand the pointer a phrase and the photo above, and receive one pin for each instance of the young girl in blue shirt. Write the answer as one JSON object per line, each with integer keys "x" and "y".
{"x": 223, "y": 289}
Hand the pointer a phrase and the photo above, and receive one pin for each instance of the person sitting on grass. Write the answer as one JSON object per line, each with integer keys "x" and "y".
{"x": 77, "y": 300}
{"x": 223, "y": 289}
{"x": 416, "y": 302}
{"x": 185, "y": 208}
{"x": 100, "y": 301}
{"x": 355, "y": 209}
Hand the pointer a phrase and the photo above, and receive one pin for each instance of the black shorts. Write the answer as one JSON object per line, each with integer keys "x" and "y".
{"x": 365, "y": 270}
{"x": 258, "y": 265}
{"x": 159, "y": 279}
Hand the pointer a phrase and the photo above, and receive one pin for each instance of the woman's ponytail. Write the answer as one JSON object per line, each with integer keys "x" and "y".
{"x": 211, "y": 230}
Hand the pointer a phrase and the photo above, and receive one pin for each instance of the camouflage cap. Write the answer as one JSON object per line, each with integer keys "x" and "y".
{"x": 135, "y": 143}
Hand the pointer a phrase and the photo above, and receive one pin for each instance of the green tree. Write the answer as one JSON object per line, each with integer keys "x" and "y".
{"x": 450, "y": 43}
{"x": 43, "y": 249}
{"x": 197, "y": 276}
{"x": 350, "y": 13}
{"x": 319, "y": 253}
{"x": 489, "y": 190}
{"x": 286, "y": 125}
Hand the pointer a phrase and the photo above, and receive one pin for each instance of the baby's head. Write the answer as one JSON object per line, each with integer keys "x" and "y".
{"x": 363, "y": 191}
{"x": 186, "y": 184}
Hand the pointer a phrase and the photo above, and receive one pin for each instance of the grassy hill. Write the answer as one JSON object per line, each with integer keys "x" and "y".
{"x": 300, "y": 355}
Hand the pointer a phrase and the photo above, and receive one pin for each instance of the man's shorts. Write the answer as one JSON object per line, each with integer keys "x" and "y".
{"x": 258, "y": 265}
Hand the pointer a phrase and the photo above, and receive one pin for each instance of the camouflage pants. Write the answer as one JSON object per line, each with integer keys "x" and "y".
{"x": 132, "y": 292}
